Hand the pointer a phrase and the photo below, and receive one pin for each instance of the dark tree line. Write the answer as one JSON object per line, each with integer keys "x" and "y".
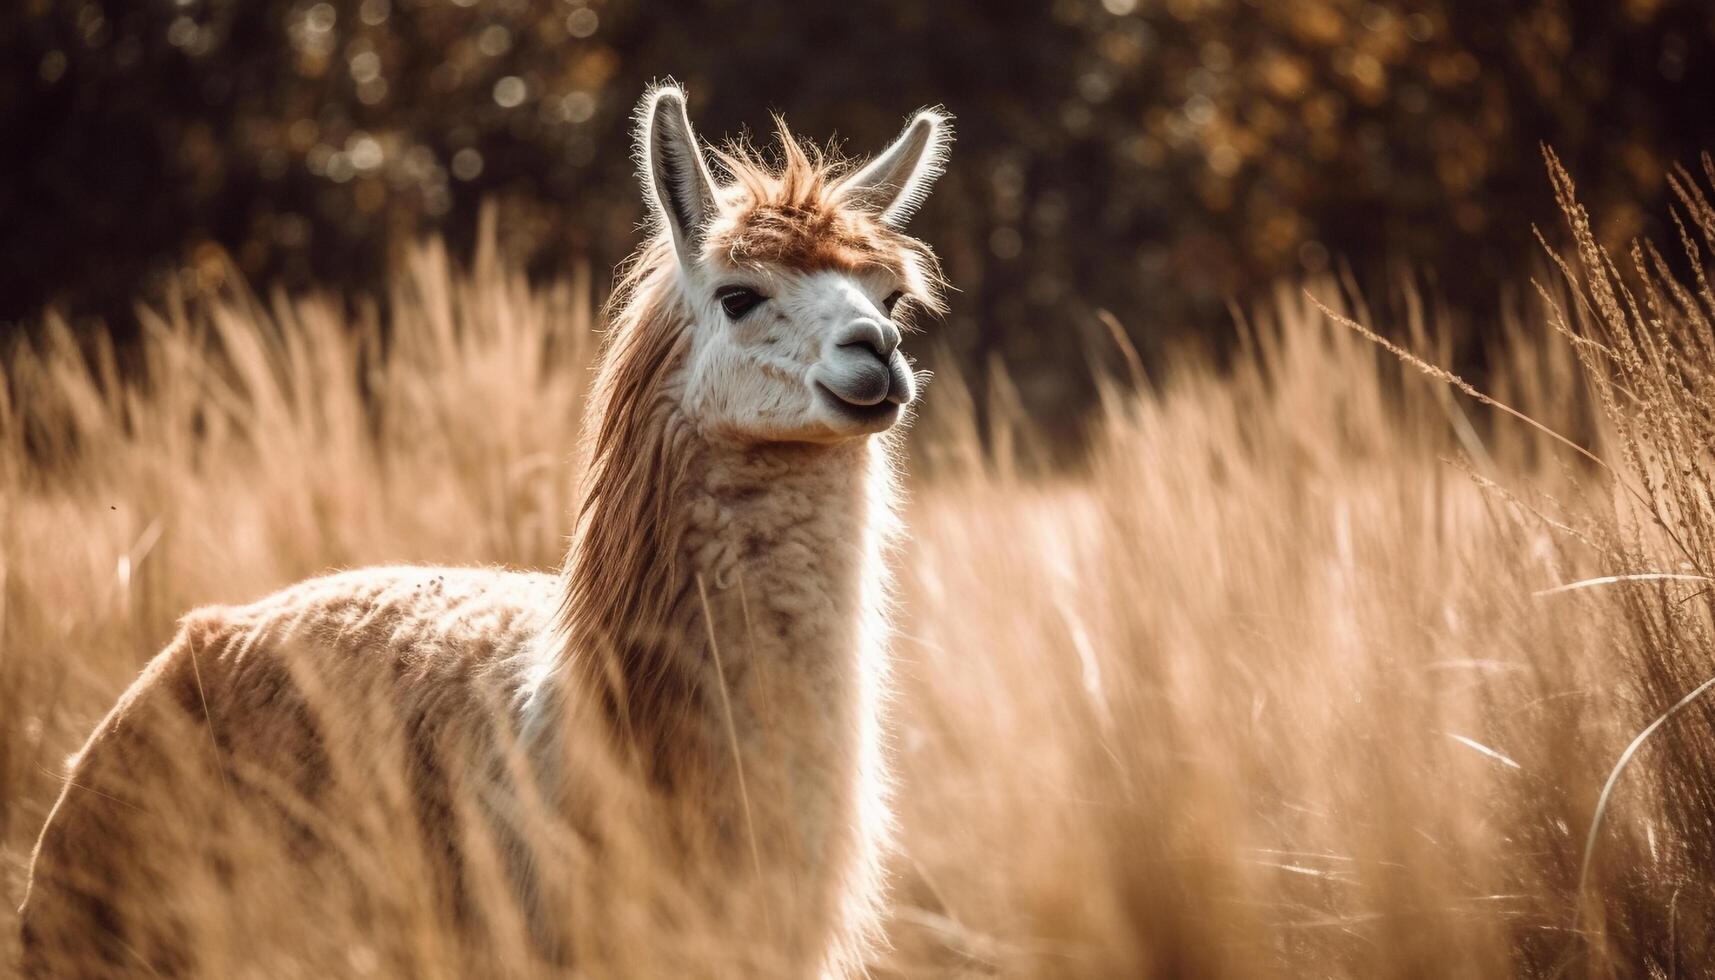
{"x": 1151, "y": 158}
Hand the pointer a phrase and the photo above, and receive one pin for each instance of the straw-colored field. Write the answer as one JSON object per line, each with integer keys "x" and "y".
{"x": 1306, "y": 670}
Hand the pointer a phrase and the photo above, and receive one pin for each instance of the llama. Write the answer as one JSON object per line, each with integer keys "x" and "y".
{"x": 703, "y": 683}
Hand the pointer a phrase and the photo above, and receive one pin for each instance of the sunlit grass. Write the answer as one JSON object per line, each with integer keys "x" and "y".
{"x": 1287, "y": 676}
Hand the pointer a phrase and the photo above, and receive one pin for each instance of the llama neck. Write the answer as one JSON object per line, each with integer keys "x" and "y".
{"x": 788, "y": 547}
{"x": 784, "y": 558}
{"x": 742, "y": 635}
{"x": 737, "y": 655}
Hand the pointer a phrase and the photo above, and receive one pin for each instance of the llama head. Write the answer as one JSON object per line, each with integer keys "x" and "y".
{"x": 791, "y": 281}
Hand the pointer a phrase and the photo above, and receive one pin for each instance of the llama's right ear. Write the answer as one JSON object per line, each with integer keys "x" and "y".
{"x": 676, "y": 178}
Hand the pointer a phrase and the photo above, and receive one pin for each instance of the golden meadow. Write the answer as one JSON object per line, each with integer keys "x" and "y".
{"x": 1318, "y": 663}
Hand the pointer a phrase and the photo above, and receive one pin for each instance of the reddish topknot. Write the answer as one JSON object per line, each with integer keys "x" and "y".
{"x": 796, "y": 213}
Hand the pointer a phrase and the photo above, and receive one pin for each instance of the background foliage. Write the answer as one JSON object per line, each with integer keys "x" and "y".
{"x": 1155, "y": 158}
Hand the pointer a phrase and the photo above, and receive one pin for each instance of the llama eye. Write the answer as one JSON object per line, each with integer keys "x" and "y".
{"x": 738, "y": 300}
{"x": 890, "y": 302}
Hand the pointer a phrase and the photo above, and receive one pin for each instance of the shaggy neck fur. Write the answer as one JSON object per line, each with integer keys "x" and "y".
{"x": 722, "y": 616}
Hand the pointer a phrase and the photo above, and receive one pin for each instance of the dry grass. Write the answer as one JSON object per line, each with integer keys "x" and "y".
{"x": 1285, "y": 680}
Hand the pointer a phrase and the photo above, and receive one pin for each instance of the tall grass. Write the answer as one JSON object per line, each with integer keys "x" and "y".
{"x": 1313, "y": 666}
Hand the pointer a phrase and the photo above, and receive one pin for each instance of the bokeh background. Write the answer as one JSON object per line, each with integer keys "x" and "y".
{"x": 1306, "y": 663}
{"x": 1159, "y": 160}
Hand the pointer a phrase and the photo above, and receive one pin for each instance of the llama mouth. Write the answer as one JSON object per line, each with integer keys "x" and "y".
{"x": 874, "y": 417}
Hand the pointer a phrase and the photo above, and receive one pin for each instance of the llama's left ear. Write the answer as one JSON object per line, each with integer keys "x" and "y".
{"x": 895, "y": 183}
{"x": 675, "y": 176}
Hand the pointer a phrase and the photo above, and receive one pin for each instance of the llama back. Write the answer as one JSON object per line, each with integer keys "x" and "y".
{"x": 337, "y": 742}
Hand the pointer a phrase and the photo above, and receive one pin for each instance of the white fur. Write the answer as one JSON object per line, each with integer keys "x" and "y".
{"x": 756, "y": 379}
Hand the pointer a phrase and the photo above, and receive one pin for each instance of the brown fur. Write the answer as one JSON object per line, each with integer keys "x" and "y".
{"x": 389, "y": 684}
{"x": 793, "y": 216}
{"x": 623, "y": 577}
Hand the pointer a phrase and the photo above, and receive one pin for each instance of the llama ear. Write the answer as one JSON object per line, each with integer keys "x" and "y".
{"x": 675, "y": 176}
{"x": 895, "y": 183}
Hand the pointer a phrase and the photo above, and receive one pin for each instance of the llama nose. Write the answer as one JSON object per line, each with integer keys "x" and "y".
{"x": 878, "y": 337}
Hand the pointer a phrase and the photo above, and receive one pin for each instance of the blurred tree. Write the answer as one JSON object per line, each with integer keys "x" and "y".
{"x": 1152, "y": 158}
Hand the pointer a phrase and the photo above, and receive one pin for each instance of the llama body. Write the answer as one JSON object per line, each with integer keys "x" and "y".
{"x": 437, "y": 647}
{"x": 702, "y": 685}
